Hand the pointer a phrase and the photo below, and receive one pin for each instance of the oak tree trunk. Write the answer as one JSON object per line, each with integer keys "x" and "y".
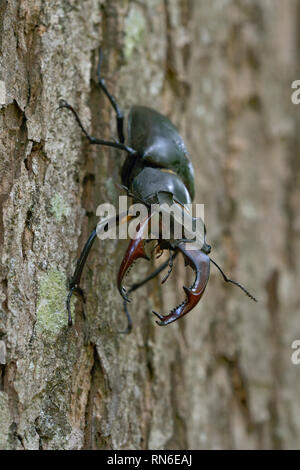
{"x": 222, "y": 377}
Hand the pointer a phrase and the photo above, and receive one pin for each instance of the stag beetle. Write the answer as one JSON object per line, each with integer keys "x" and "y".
{"x": 157, "y": 169}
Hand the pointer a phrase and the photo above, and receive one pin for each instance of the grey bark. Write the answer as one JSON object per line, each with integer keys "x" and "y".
{"x": 222, "y": 377}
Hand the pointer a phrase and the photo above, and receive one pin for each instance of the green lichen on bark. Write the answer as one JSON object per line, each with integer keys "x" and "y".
{"x": 134, "y": 30}
{"x": 59, "y": 208}
{"x": 51, "y": 307}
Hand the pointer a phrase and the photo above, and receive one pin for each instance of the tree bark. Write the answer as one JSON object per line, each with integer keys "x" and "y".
{"x": 222, "y": 377}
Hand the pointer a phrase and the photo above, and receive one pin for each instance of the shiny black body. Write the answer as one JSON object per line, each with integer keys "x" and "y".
{"x": 161, "y": 162}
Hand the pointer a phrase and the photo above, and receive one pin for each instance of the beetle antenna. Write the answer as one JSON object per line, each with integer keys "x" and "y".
{"x": 226, "y": 279}
{"x": 131, "y": 194}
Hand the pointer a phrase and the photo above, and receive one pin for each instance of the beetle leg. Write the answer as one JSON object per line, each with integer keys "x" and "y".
{"x": 134, "y": 251}
{"x": 170, "y": 263}
{"x": 200, "y": 262}
{"x": 94, "y": 140}
{"x": 75, "y": 280}
{"x": 137, "y": 286}
{"x": 77, "y": 290}
{"x": 112, "y": 100}
{"x": 74, "y": 283}
{"x": 128, "y": 329}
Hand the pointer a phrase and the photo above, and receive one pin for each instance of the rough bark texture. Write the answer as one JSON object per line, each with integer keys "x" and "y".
{"x": 222, "y": 377}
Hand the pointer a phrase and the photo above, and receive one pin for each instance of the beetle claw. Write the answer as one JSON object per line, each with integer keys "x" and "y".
{"x": 134, "y": 251}
{"x": 200, "y": 262}
{"x": 161, "y": 317}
